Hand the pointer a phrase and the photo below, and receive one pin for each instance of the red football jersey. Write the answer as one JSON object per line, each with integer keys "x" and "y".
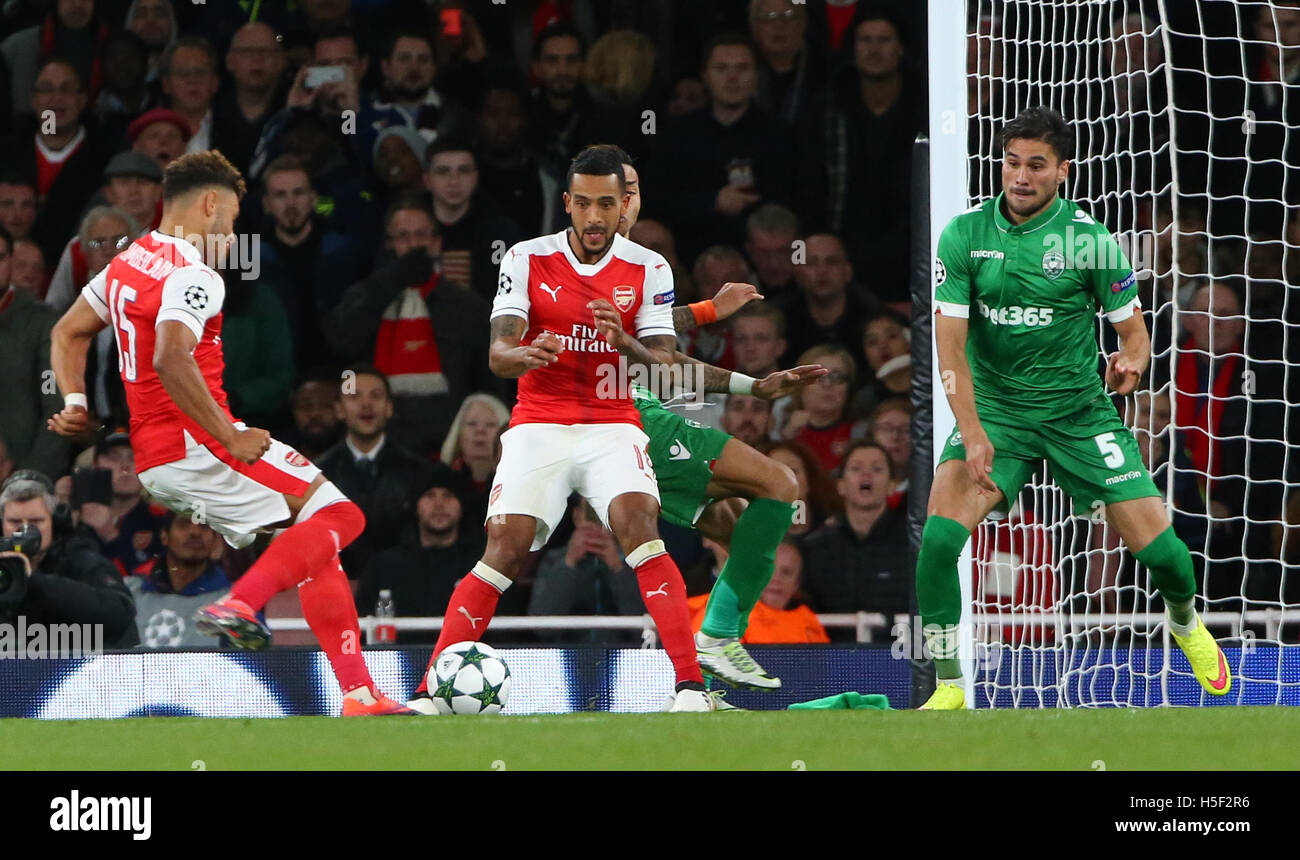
{"x": 159, "y": 278}
{"x": 542, "y": 281}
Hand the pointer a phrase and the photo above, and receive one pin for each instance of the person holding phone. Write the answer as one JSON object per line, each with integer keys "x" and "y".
{"x": 113, "y": 510}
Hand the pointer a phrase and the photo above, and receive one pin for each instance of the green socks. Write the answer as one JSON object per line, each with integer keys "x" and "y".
{"x": 758, "y": 532}
{"x": 1170, "y": 564}
{"x": 938, "y": 591}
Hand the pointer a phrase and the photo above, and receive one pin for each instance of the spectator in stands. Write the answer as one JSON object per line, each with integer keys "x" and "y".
{"x": 133, "y": 192}
{"x": 256, "y": 64}
{"x": 125, "y": 526}
{"x": 748, "y": 418}
{"x": 587, "y": 576}
{"x": 259, "y": 357}
{"x": 27, "y": 397}
{"x": 779, "y": 617}
{"x": 618, "y": 74}
{"x": 817, "y": 498}
{"x": 377, "y": 473}
{"x": 558, "y": 105}
{"x": 471, "y": 448}
{"x": 717, "y": 265}
{"x": 407, "y": 95}
{"x": 154, "y": 21}
{"x": 28, "y": 270}
{"x": 6, "y": 464}
{"x": 190, "y": 80}
{"x": 890, "y": 427}
{"x": 161, "y": 134}
{"x": 830, "y": 308}
{"x": 819, "y": 413}
{"x": 68, "y": 582}
{"x": 712, "y": 167}
{"x": 474, "y": 229}
{"x": 71, "y": 30}
{"x": 788, "y": 72}
{"x": 758, "y": 339}
{"x": 887, "y": 350}
{"x": 440, "y": 355}
{"x": 398, "y": 161}
{"x": 689, "y": 95}
{"x": 859, "y": 562}
{"x": 859, "y": 147}
{"x": 307, "y": 263}
{"x": 770, "y": 234}
{"x": 125, "y": 94}
{"x": 316, "y": 425}
{"x": 179, "y": 579}
{"x": 437, "y": 547}
{"x": 17, "y": 203}
{"x": 65, "y": 156}
{"x": 508, "y": 172}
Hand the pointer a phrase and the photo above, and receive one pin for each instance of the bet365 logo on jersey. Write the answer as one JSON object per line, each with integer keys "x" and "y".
{"x": 1016, "y": 315}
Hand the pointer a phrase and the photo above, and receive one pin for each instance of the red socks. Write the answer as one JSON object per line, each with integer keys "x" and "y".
{"x": 327, "y": 605}
{"x": 304, "y": 549}
{"x": 664, "y": 594}
{"x": 469, "y": 611}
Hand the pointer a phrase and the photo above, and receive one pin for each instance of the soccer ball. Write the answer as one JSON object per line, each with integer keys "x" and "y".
{"x": 469, "y": 678}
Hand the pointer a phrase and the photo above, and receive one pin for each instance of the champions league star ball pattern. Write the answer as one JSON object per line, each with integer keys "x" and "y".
{"x": 469, "y": 678}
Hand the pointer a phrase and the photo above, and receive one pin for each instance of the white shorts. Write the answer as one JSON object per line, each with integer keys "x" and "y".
{"x": 542, "y": 464}
{"x": 235, "y": 499}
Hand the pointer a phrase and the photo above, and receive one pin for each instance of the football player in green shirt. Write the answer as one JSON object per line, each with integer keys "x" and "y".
{"x": 1020, "y": 280}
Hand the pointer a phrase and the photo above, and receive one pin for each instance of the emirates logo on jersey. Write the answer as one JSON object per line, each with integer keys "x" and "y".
{"x": 624, "y": 296}
{"x": 293, "y": 458}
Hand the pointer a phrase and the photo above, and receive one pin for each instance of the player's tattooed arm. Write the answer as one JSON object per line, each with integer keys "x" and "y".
{"x": 683, "y": 319}
{"x": 508, "y": 358}
{"x": 731, "y": 297}
{"x": 716, "y": 380}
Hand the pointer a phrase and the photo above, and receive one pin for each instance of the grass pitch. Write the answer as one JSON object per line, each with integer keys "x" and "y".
{"x": 1157, "y": 739}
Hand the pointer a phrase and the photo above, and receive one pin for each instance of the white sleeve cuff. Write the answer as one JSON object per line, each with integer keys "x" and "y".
{"x": 655, "y": 331}
{"x": 96, "y": 303}
{"x": 952, "y": 309}
{"x": 1120, "y": 314}
{"x": 509, "y": 312}
{"x": 180, "y": 316}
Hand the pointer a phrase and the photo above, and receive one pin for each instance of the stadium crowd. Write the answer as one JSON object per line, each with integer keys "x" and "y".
{"x": 389, "y": 168}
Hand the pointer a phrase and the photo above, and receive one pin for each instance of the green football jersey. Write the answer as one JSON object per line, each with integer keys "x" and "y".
{"x": 1032, "y": 293}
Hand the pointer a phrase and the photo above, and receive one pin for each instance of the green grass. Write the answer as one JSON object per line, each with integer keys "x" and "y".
{"x": 1212, "y": 738}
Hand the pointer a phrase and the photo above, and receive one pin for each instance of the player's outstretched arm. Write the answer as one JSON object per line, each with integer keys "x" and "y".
{"x": 954, "y": 370}
{"x": 173, "y": 360}
{"x": 730, "y": 298}
{"x": 69, "y": 341}
{"x": 1124, "y": 369}
{"x": 509, "y": 359}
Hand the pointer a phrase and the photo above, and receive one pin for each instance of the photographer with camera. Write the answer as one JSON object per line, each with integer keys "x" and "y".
{"x": 111, "y": 505}
{"x": 50, "y": 576}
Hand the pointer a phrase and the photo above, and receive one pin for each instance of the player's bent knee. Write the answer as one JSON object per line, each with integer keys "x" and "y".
{"x": 781, "y": 484}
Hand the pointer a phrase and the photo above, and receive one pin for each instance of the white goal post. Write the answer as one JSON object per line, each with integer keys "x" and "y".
{"x": 1186, "y": 115}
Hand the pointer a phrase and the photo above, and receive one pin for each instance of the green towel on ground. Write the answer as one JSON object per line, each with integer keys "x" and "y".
{"x": 852, "y": 701}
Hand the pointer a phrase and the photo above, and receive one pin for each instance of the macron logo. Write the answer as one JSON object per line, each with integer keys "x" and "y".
{"x": 552, "y": 292}
{"x": 131, "y": 814}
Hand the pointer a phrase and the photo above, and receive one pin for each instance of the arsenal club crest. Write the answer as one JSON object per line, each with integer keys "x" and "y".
{"x": 624, "y": 296}
{"x": 293, "y": 458}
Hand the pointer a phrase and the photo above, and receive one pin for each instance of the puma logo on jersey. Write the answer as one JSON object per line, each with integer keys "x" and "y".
{"x": 678, "y": 451}
{"x": 661, "y": 590}
{"x": 473, "y": 622}
{"x": 552, "y": 292}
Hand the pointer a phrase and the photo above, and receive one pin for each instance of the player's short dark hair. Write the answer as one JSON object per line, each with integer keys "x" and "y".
{"x": 558, "y": 30}
{"x": 858, "y": 445}
{"x": 1040, "y": 123}
{"x": 411, "y": 200}
{"x": 201, "y": 170}
{"x": 390, "y": 41}
{"x": 371, "y": 370}
{"x": 727, "y": 39}
{"x": 597, "y": 160}
{"x": 618, "y": 152}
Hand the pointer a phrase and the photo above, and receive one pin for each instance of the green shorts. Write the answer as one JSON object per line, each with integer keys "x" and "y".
{"x": 682, "y": 452}
{"x": 1092, "y": 456}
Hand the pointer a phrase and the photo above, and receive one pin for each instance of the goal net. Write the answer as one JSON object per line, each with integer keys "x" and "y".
{"x": 1187, "y": 120}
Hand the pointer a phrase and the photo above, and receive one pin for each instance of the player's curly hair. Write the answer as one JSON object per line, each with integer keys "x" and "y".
{"x": 201, "y": 170}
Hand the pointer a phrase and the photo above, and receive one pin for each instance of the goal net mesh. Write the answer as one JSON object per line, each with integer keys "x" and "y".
{"x": 1187, "y": 120}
